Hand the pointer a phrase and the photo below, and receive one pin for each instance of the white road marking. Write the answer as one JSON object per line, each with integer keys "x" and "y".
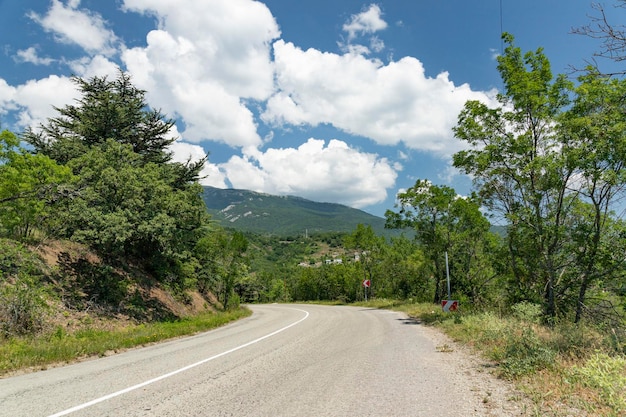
{"x": 186, "y": 368}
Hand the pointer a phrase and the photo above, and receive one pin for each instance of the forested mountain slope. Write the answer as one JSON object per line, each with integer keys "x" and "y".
{"x": 250, "y": 211}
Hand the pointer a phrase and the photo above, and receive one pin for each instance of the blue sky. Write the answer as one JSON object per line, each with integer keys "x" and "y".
{"x": 339, "y": 101}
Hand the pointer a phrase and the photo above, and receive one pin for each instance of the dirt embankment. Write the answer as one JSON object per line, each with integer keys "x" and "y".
{"x": 93, "y": 293}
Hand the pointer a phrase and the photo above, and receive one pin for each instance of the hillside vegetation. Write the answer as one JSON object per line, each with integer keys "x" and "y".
{"x": 96, "y": 217}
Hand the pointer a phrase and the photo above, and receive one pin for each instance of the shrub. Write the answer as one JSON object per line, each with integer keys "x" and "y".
{"x": 528, "y": 312}
{"x": 22, "y": 307}
{"x": 526, "y": 353}
{"x": 22, "y": 302}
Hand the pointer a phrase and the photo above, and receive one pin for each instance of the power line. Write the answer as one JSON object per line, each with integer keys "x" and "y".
{"x": 501, "y": 30}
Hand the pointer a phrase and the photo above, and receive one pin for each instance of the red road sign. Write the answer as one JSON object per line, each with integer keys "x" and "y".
{"x": 366, "y": 283}
{"x": 449, "y": 305}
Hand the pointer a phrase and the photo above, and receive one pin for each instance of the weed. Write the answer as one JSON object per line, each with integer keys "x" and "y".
{"x": 608, "y": 375}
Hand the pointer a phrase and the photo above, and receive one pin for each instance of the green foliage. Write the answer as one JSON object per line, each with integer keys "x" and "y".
{"x": 131, "y": 201}
{"x": 527, "y": 312}
{"x": 550, "y": 160}
{"x": 23, "y": 305}
{"x": 30, "y": 186}
{"x": 525, "y": 353}
{"x": 445, "y": 223}
{"x": 107, "y": 110}
{"x": 223, "y": 263}
{"x": 130, "y": 209}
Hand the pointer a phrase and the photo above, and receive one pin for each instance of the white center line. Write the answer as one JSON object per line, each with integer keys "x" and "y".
{"x": 159, "y": 378}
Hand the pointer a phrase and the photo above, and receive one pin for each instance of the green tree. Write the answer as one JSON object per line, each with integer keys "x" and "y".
{"x": 403, "y": 271}
{"x": 128, "y": 209}
{"x": 110, "y": 110}
{"x": 552, "y": 167}
{"x": 445, "y": 224}
{"x": 518, "y": 165}
{"x": 593, "y": 128}
{"x": 223, "y": 261}
{"x": 369, "y": 248}
{"x": 131, "y": 200}
{"x": 30, "y": 185}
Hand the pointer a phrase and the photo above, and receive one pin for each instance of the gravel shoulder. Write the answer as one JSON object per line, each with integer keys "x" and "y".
{"x": 498, "y": 396}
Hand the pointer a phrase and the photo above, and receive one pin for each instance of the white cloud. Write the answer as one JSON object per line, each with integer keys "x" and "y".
{"x": 30, "y": 55}
{"x": 34, "y": 100}
{"x": 367, "y": 22}
{"x": 96, "y": 66}
{"x": 203, "y": 66}
{"x": 389, "y": 103}
{"x": 7, "y": 93}
{"x": 81, "y": 27}
{"x": 330, "y": 173}
{"x": 376, "y": 44}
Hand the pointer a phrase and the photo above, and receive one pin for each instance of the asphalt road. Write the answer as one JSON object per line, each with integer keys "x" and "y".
{"x": 284, "y": 360}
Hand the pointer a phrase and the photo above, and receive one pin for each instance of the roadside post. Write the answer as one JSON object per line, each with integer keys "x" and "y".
{"x": 449, "y": 305}
{"x": 366, "y": 284}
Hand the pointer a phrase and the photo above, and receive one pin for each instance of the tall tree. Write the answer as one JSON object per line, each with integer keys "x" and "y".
{"x": 440, "y": 218}
{"x": 111, "y": 110}
{"x": 369, "y": 248}
{"x": 594, "y": 127}
{"x": 126, "y": 208}
{"x": 539, "y": 160}
{"x": 108, "y": 109}
{"x": 517, "y": 165}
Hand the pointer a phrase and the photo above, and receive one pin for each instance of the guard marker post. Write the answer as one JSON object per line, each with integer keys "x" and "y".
{"x": 366, "y": 284}
{"x": 449, "y": 305}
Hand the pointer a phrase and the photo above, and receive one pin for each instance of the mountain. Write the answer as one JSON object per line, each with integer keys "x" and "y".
{"x": 250, "y": 211}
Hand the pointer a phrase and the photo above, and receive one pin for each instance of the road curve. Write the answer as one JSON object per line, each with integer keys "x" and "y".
{"x": 284, "y": 360}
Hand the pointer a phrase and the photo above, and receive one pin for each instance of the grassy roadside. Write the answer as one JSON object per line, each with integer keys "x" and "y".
{"x": 58, "y": 346}
{"x": 565, "y": 370}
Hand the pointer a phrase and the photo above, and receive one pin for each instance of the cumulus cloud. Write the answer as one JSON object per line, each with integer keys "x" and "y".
{"x": 390, "y": 103}
{"x": 205, "y": 67}
{"x": 94, "y": 66}
{"x": 366, "y": 22}
{"x": 216, "y": 71}
{"x": 31, "y": 55}
{"x": 80, "y": 27}
{"x": 333, "y": 172}
{"x": 33, "y": 101}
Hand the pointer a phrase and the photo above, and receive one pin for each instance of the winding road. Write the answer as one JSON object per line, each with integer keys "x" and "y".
{"x": 284, "y": 360}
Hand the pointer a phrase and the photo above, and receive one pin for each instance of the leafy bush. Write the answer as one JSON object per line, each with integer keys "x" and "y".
{"x": 16, "y": 258}
{"x": 22, "y": 307}
{"x": 528, "y": 312}
{"x": 526, "y": 353}
{"x": 22, "y": 303}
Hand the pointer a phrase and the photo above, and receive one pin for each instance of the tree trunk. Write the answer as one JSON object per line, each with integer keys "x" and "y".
{"x": 581, "y": 299}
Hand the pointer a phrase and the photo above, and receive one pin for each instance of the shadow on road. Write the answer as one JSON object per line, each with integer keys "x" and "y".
{"x": 410, "y": 321}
